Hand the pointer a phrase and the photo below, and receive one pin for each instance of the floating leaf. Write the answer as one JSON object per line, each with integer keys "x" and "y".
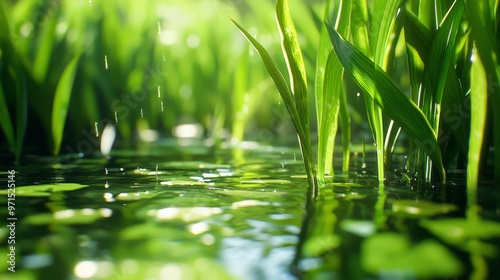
{"x": 392, "y": 256}
{"x": 251, "y": 194}
{"x": 421, "y": 208}
{"x": 69, "y": 216}
{"x": 135, "y": 196}
{"x": 45, "y": 189}
{"x": 458, "y": 230}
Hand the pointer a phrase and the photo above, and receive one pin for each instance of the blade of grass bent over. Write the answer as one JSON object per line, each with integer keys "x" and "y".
{"x": 373, "y": 80}
{"x": 61, "y": 102}
{"x": 288, "y": 99}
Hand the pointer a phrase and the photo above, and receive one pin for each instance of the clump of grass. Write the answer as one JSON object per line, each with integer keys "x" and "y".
{"x": 432, "y": 111}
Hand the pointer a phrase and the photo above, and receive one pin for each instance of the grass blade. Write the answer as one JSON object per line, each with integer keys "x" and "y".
{"x": 5, "y": 121}
{"x": 373, "y": 80}
{"x": 479, "y": 106}
{"x": 288, "y": 99}
{"x": 61, "y": 102}
{"x": 330, "y": 97}
{"x": 295, "y": 63}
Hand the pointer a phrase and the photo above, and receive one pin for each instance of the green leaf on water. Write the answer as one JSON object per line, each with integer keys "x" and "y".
{"x": 392, "y": 255}
{"x": 69, "y": 216}
{"x": 61, "y": 102}
{"x": 374, "y": 81}
{"x": 251, "y": 194}
{"x": 420, "y": 208}
{"x": 136, "y": 196}
{"x": 45, "y": 189}
{"x": 458, "y": 230}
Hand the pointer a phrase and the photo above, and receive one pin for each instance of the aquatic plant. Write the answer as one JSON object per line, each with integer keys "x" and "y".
{"x": 438, "y": 42}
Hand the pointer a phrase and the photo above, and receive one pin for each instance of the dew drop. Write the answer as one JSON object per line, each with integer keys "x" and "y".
{"x": 106, "y": 62}
{"x": 159, "y": 94}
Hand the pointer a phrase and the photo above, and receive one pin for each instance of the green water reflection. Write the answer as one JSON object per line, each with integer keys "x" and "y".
{"x": 167, "y": 213}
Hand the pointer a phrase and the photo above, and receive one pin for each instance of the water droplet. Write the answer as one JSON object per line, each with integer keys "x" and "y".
{"x": 159, "y": 28}
{"x": 96, "y": 130}
{"x": 159, "y": 95}
{"x": 90, "y": 2}
{"x": 106, "y": 171}
{"x": 142, "y": 114}
{"x": 164, "y": 57}
{"x": 106, "y": 62}
{"x": 161, "y": 105}
{"x": 116, "y": 117}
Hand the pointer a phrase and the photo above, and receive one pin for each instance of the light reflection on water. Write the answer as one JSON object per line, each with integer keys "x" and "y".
{"x": 200, "y": 214}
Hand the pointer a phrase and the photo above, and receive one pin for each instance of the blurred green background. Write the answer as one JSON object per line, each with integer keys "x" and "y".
{"x": 145, "y": 66}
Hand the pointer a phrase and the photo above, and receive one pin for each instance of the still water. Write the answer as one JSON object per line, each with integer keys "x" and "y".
{"x": 190, "y": 212}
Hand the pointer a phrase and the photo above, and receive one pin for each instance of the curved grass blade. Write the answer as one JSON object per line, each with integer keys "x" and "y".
{"x": 288, "y": 99}
{"x": 61, "y": 102}
{"x": 373, "y": 80}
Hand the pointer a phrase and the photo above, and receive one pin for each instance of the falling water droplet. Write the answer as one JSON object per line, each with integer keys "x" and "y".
{"x": 106, "y": 171}
{"x": 90, "y": 2}
{"x": 116, "y": 117}
{"x": 164, "y": 57}
{"x": 282, "y": 164}
{"x": 96, "y": 130}
{"x": 142, "y": 114}
{"x": 159, "y": 95}
{"x": 106, "y": 62}
{"x": 161, "y": 104}
{"x": 159, "y": 28}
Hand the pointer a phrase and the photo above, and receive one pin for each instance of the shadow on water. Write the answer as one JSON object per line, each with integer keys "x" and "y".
{"x": 170, "y": 212}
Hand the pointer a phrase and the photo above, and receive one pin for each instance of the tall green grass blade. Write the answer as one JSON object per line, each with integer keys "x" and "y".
{"x": 345, "y": 124}
{"x": 288, "y": 99}
{"x": 61, "y": 103}
{"x": 373, "y": 80}
{"x": 44, "y": 49}
{"x": 239, "y": 100}
{"x": 484, "y": 24}
{"x": 329, "y": 100}
{"x": 479, "y": 109}
{"x": 441, "y": 53}
{"x": 324, "y": 49}
{"x": 295, "y": 63}
{"x": 382, "y": 24}
{"x": 5, "y": 121}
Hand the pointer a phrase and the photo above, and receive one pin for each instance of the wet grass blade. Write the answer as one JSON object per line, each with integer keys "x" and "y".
{"x": 61, "y": 103}
{"x": 295, "y": 64}
{"x": 375, "y": 82}
{"x": 288, "y": 99}
{"x": 479, "y": 109}
{"x": 483, "y": 25}
{"x": 329, "y": 102}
